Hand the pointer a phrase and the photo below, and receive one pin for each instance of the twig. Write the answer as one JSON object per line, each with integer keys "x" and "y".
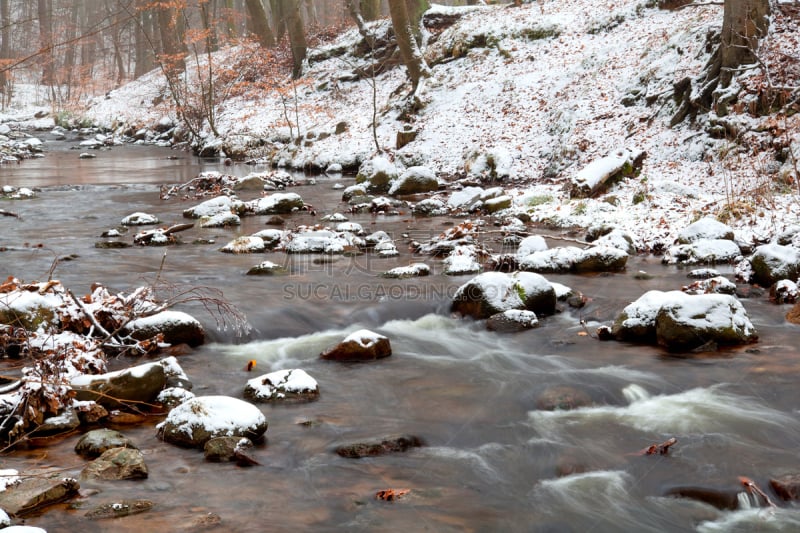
{"x": 752, "y": 487}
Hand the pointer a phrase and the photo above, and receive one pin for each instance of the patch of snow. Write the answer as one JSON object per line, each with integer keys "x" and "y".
{"x": 364, "y": 337}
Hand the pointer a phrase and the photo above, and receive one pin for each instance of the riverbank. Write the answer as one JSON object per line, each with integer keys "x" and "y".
{"x": 542, "y": 91}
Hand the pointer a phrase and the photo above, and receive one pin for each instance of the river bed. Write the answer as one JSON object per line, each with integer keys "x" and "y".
{"x": 492, "y": 461}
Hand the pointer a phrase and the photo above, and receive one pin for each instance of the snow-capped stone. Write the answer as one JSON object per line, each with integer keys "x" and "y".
{"x": 410, "y": 271}
{"x": 429, "y": 207}
{"x": 718, "y": 285}
{"x": 377, "y": 174}
{"x": 276, "y": 204}
{"x": 362, "y": 345}
{"x": 512, "y": 320}
{"x": 177, "y": 327}
{"x": 773, "y": 262}
{"x": 335, "y": 217}
{"x": 703, "y": 251}
{"x": 598, "y": 174}
{"x": 564, "y": 259}
{"x": 705, "y": 228}
{"x": 221, "y": 220}
{"x": 462, "y": 260}
{"x": 266, "y": 268}
{"x": 200, "y": 419}
{"x": 414, "y": 180}
{"x": 272, "y": 237}
{"x": 351, "y": 227}
{"x": 317, "y": 241}
{"x": 529, "y": 245}
{"x": 215, "y": 206}
{"x": 494, "y": 292}
{"x": 680, "y": 322}
{"x": 292, "y": 385}
{"x": 465, "y": 199}
{"x": 246, "y": 244}
{"x": 140, "y": 383}
{"x": 139, "y": 219}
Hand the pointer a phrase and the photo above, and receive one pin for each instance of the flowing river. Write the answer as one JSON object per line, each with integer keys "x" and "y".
{"x": 491, "y": 462}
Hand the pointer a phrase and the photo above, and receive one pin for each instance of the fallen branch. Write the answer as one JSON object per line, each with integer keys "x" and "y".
{"x": 751, "y": 487}
{"x": 659, "y": 449}
{"x": 8, "y": 213}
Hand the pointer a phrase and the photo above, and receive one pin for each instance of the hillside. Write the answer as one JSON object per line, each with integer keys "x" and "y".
{"x": 544, "y": 89}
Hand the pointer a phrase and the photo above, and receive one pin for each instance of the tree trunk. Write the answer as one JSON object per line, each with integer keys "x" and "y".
{"x": 409, "y": 48}
{"x": 744, "y": 22}
{"x": 415, "y": 9}
{"x": 278, "y": 18}
{"x": 45, "y": 11}
{"x": 172, "y": 57}
{"x": 370, "y": 9}
{"x": 5, "y": 51}
{"x": 259, "y": 23}
{"x": 297, "y": 36}
{"x": 311, "y": 13}
{"x": 143, "y": 41}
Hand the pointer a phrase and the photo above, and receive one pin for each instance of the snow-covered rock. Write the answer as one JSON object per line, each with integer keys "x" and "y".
{"x": 682, "y": 322}
{"x": 246, "y": 244}
{"x": 495, "y": 292}
{"x": 462, "y": 259}
{"x": 599, "y": 174}
{"x": 220, "y": 220}
{"x": 140, "y": 383}
{"x": 532, "y": 244}
{"x": 705, "y": 228}
{"x": 292, "y": 385}
{"x": 200, "y": 419}
{"x": 275, "y": 204}
{"x": 512, "y": 320}
{"x": 139, "y": 219}
{"x": 773, "y": 262}
{"x": 377, "y": 174}
{"x": 267, "y": 268}
{"x": 564, "y": 259}
{"x": 410, "y": 271}
{"x": 317, "y": 242}
{"x": 215, "y": 206}
{"x": 414, "y": 180}
{"x": 494, "y": 164}
{"x": 702, "y": 251}
{"x": 362, "y": 345}
{"x": 465, "y": 199}
{"x": 176, "y": 327}
{"x": 718, "y": 285}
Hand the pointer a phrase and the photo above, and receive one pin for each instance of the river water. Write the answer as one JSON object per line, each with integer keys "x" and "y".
{"x": 492, "y": 461}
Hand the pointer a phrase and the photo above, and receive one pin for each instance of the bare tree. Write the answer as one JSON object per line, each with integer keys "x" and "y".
{"x": 406, "y": 16}
{"x": 297, "y": 35}
{"x": 744, "y": 22}
{"x": 259, "y": 23}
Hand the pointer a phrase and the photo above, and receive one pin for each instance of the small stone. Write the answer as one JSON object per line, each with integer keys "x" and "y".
{"x": 119, "y": 509}
{"x": 379, "y": 447}
{"x": 116, "y": 464}
{"x": 363, "y": 345}
{"x": 96, "y": 442}
{"x": 562, "y": 398}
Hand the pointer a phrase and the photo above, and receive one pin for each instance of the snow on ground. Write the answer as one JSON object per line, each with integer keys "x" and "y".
{"x": 544, "y": 92}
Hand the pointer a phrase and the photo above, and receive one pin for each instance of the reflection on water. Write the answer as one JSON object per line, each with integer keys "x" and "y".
{"x": 492, "y": 461}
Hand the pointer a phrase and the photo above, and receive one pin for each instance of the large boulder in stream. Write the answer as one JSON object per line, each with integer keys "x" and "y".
{"x": 414, "y": 180}
{"x": 196, "y": 421}
{"x": 34, "y": 493}
{"x": 564, "y": 259}
{"x": 115, "y": 464}
{"x": 495, "y": 292}
{"x": 136, "y": 384}
{"x": 362, "y": 345}
{"x": 94, "y": 443}
{"x": 176, "y": 327}
{"x": 279, "y": 203}
{"x": 787, "y": 486}
{"x": 774, "y": 262}
{"x": 705, "y": 228}
{"x": 377, "y": 174}
{"x": 683, "y": 322}
{"x": 285, "y": 386}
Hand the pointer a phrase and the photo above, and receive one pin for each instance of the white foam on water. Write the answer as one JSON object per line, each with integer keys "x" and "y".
{"x": 474, "y": 458}
{"x": 701, "y": 410}
{"x": 603, "y": 489}
{"x": 763, "y": 519}
{"x": 286, "y": 350}
{"x": 634, "y": 393}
